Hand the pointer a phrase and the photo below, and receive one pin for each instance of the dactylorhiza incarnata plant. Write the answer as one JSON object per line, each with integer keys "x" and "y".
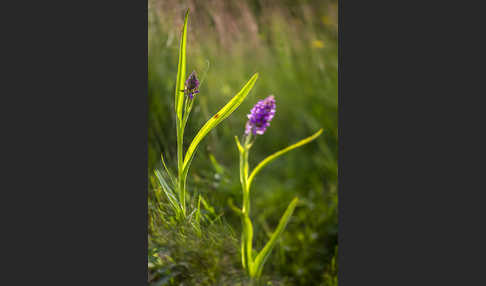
{"x": 174, "y": 185}
{"x": 258, "y": 122}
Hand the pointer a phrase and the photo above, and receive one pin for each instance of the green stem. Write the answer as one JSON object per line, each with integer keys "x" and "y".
{"x": 244, "y": 210}
{"x": 187, "y": 110}
{"x": 247, "y": 233}
{"x": 180, "y": 179}
{"x": 243, "y": 246}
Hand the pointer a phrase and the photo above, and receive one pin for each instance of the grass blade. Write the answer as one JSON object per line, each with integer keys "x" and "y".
{"x": 167, "y": 190}
{"x": 216, "y": 165}
{"x": 169, "y": 173}
{"x": 207, "y": 206}
{"x": 280, "y": 153}
{"x": 222, "y": 114}
{"x": 265, "y": 252}
{"x": 181, "y": 70}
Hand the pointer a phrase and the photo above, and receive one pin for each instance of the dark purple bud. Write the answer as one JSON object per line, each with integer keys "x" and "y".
{"x": 260, "y": 116}
{"x": 192, "y": 84}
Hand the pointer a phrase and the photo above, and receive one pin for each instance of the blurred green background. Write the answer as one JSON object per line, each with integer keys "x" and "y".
{"x": 293, "y": 45}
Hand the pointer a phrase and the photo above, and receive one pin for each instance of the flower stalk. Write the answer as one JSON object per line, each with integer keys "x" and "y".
{"x": 191, "y": 88}
{"x": 186, "y": 90}
{"x": 258, "y": 121}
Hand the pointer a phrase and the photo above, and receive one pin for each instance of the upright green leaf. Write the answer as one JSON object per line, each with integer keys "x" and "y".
{"x": 265, "y": 252}
{"x": 181, "y": 70}
{"x": 280, "y": 153}
{"x": 222, "y": 114}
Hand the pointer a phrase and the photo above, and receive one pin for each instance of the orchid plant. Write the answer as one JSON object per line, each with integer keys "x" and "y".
{"x": 258, "y": 122}
{"x": 174, "y": 185}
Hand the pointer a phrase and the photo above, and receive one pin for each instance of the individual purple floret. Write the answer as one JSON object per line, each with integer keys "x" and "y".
{"x": 260, "y": 116}
{"x": 192, "y": 85}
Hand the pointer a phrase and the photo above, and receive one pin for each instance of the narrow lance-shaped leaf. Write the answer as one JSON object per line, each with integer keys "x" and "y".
{"x": 217, "y": 118}
{"x": 181, "y": 70}
{"x": 280, "y": 153}
{"x": 265, "y": 252}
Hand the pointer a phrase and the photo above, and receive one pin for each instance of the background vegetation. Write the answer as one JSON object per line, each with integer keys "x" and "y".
{"x": 293, "y": 46}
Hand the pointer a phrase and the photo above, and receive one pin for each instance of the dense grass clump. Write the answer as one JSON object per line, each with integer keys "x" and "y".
{"x": 293, "y": 47}
{"x": 182, "y": 254}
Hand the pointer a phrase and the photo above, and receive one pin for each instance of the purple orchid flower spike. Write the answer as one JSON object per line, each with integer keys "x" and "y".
{"x": 192, "y": 85}
{"x": 260, "y": 116}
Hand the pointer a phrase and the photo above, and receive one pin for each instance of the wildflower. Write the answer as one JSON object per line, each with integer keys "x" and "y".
{"x": 260, "y": 116}
{"x": 318, "y": 44}
{"x": 192, "y": 85}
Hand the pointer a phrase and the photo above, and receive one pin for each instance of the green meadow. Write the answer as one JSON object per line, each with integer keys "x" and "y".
{"x": 293, "y": 46}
